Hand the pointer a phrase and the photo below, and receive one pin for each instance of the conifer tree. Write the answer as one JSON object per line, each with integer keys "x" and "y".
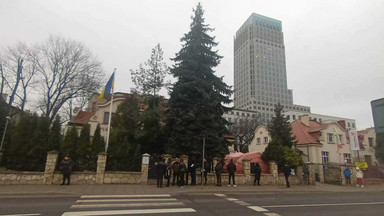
{"x": 83, "y": 152}
{"x": 55, "y": 138}
{"x": 98, "y": 144}
{"x": 197, "y": 98}
{"x": 70, "y": 144}
{"x": 280, "y": 128}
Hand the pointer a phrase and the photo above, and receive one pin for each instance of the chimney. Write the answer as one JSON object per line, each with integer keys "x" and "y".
{"x": 305, "y": 119}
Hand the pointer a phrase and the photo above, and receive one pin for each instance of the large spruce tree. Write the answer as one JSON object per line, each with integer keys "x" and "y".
{"x": 198, "y": 97}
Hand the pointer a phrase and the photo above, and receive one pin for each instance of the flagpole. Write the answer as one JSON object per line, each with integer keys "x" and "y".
{"x": 110, "y": 114}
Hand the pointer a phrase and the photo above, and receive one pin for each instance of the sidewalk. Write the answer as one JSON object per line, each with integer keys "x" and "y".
{"x": 111, "y": 189}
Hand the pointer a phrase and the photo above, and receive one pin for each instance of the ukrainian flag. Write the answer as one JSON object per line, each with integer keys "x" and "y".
{"x": 107, "y": 89}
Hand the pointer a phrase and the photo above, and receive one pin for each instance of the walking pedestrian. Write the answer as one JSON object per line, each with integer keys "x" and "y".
{"x": 257, "y": 174}
{"x": 161, "y": 170}
{"x": 231, "y": 170}
{"x": 218, "y": 171}
{"x": 183, "y": 170}
{"x": 287, "y": 172}
{"x": 176, "y": 172}
{"x": 359, "y": 177}
{"x": 347, "y": 174}
{"x": 66, "y": 169}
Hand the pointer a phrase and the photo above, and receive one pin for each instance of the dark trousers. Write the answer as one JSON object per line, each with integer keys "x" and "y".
{"x": 205, "y": 177}
{"x": 186, "y": 178}
{"x": 218, "y": 177}
{"x": 67, "y": 177}
{"x": 160, "y": 180}
{"x": 181, "y": 179}
{"x": 193, "y": 177}
{"x": 348, "y": 179}
{"x": 257, "y": 179}
{"x": 233, "y": 178}
{"x": 168, "y": 177}
{"x": 176, "y": 176}
{"x": 287, "y": 180}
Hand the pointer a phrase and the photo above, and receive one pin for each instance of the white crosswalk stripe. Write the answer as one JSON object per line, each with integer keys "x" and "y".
{"x": 150, "y": 204}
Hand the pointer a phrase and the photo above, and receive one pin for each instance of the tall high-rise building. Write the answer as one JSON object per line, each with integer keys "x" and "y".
{"x": 260, "y": 77}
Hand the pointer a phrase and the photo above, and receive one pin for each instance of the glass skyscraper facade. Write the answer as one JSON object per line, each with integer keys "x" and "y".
{"x": 260, "y": 77}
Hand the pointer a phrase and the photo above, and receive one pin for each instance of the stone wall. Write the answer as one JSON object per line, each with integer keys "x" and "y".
{"x": 122, "y": 177}
{"x": 21, "y": 178}
{"x": 76, "y": 178}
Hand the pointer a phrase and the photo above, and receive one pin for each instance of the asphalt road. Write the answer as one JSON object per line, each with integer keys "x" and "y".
{"x": 263, "y": 204}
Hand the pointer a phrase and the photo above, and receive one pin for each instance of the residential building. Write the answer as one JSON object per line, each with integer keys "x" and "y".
{"x": 260, "y": 78}
{"x": 319, "y": 142}
{"x": 367, "y": 139}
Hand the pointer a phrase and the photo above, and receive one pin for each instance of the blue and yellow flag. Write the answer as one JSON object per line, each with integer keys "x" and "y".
{"x": 107, "y": 89}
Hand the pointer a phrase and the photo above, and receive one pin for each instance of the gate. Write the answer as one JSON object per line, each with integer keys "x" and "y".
{"x": 332, "y": 174}
{"x": 305, "y": 173}
{"x": 152, "y": 167}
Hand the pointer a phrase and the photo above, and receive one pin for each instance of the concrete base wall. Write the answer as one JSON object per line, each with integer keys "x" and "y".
{"x": 21, "y": 178}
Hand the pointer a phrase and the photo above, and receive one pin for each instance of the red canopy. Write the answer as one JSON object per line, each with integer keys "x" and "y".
{"x": 254, "y": 157}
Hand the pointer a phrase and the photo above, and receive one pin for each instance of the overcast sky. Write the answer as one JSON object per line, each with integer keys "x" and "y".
{"x": 334, "y": 49}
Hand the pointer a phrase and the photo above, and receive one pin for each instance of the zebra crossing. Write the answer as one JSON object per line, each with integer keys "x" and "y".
{"x": 92, "y": 205}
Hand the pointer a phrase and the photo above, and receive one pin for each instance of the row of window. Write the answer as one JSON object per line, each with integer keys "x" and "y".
{"x": 325, "y": 157}
{"x": 258, "y": 140}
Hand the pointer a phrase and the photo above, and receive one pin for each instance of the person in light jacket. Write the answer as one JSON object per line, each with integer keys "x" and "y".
{"x": 359, "y": 177}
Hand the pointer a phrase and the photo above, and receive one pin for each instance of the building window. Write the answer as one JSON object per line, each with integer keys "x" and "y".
{"x": 265, "y": 140}
{"x": 294, "y": 117}
{"x": 353, "y": 125}
{"x": 370, "y": 141}
{"x": 341, "y": 139}
{"x": 94, "y": 106}
{"x": 330, "y": 138}
{"x": 349, "y": 124}
{"x": 325, "y": 157}
{"x": 106, "y": 117}
{"x": 288, "y": 117}
{"x": 347, "y": 158}
{"x": 258, "y": 141}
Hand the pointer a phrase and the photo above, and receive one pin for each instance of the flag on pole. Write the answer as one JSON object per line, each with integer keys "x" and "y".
{"x": 108, "y": 88}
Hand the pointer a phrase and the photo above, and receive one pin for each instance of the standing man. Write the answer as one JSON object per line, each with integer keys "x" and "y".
{"x": 347, "y": 174}
{"x": 192, "y": 171}
{"x": 161, "y": 170}
{"x": 183, "y": 170}
{"x": 169, "y": 171}
{"x": 218, "y": 171}
{"x": 176, "y": 172}
{"x": 287, "y": 172}
{"x": 257, "y": 174}
{"x": 66, "y": 169}
{"x": 231, "y": 170}
{"x": 205, "y": 171}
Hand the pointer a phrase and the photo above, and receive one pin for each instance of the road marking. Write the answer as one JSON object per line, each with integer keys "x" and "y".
{"x": 130, "y": 212}
{"x": 322, "y": 204}
{"x": 241, "y": 203}
{"x": 22, "y": 214}
{"x": 123, "y": 196}
{"x": 257, "y": 208}
{"x": 220, "y": 195}
{"x": 127, "y": 205}
{"x": 231, "y": 199}
{"x": 125, "y": 200}
{"x": 271, "y": 214}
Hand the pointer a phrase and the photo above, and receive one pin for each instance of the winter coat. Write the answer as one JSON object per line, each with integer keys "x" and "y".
{"x": 219, "y": 168}
{"x": 287, "y": 170}
{"x": 183, "y": 168}
{"x": 161, "y": 168}
{"x": 347, "y": 172}
{"x": 176, "y": 167}
{"x": 231, "y": 167}
{"x": 66, "y": 166}
{"x": 257, "y": 170}
{"x": 359, "y": 174}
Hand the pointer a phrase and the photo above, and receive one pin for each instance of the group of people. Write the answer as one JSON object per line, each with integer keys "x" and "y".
{"x": 359, "y": 176}
{"x": 179, "y": 171}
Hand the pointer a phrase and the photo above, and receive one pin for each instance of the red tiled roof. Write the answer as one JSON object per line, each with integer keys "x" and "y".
{"x": 306, "y": 134}
{"x": 82, "y": 118}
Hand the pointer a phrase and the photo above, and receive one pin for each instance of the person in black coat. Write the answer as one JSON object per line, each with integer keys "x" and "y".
{"x": 66, "y": 169}
{"x": 218, "y": 171}
{"x": 192, "y": 171}
{"x": 231, "y": 170}
{"x": 257, "y": 174}
{"x": 161, "y": 171}
{"x": 287, "y": 172}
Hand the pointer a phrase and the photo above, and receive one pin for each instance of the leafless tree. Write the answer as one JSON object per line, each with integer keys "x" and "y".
{"x": 68, "y": 70}
{"x": 17, "y": 73}
{"x": 243, "y": 130}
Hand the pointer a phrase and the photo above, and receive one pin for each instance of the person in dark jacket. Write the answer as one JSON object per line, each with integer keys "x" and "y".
{"x": 161, "y": 171}
{"x": 192, "y": 171}
{"x": 176, "y": 172}
{"x": 183, "y": 170}
{"x": 205, "y": 171}
{"x": 218, "y": 171}
{"x": 66, "y": 169}
{"x": 257, "y": 174}
{"x": 287, "y": 173}
{"x": 231, "y": 170}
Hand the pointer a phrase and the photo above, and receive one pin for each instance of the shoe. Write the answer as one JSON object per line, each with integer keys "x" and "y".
{"x": 258, "y": 185}
{"x": 229, "y": 185}
{"x": 362, "y": 186}
{"x": 357, "y": 185}
{"x": 62, "y": 184}
{"x": 234, "y": 185}
{"x": 181, "y": 186}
